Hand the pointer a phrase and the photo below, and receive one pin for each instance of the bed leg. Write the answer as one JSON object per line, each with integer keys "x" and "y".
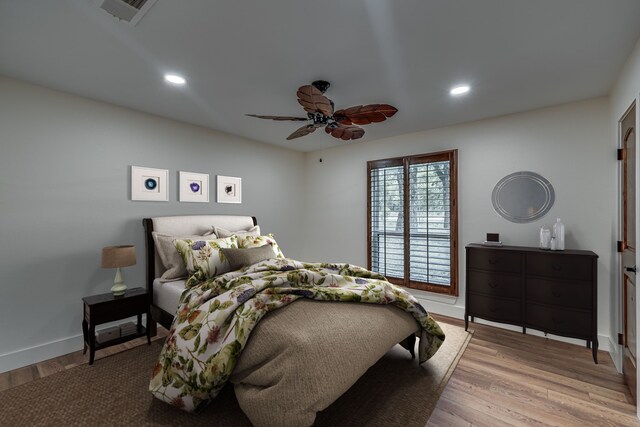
{"x": 411, "y": 341}
{"x": 153, "y": 328}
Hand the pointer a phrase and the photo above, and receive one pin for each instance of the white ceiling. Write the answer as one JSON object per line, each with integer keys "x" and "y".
{"x": 250, "y": 56}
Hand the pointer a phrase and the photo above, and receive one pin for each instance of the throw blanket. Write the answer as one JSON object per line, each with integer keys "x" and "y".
{"x": 215, "y": 318}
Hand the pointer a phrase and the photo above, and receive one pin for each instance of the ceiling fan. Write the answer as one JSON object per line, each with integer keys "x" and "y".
{"x": 341, "y": 124}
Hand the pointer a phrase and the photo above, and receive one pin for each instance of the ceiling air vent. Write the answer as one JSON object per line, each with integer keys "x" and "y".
{"x": 130, "y": 11}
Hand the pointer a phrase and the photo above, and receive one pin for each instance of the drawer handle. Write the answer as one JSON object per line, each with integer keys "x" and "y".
{"x": 493, "y": 261}
{"x": 493, "y": 285}
{"x": 556, "y": 267}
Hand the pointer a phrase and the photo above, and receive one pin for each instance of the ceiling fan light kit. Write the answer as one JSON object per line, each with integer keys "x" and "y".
{"x": 342, "y": 124}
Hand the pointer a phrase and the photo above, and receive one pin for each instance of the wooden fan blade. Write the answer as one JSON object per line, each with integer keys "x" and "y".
{"x": 313, "y": 101}
{"x": 303, "y": 131}
{"x": 280, "y": 118}
{"x": 345, "y": 132}
{"x": 365, "y": 114}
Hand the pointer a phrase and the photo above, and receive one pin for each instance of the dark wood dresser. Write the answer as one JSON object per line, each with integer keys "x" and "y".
{"x": 551, "y": 291}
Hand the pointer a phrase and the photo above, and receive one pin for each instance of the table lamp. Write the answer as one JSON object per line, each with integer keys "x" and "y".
{"x": 116, "y": 257}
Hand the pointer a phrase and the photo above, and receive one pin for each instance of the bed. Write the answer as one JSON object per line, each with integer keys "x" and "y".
{"x": 299, "y": 358}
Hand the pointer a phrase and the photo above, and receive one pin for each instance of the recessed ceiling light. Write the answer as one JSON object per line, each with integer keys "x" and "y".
{"x": 459, "y": 90}
{"x": 175, "y": 79}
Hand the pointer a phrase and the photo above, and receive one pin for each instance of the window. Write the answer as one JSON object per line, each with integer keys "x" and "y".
{"x": 420, "y": 252}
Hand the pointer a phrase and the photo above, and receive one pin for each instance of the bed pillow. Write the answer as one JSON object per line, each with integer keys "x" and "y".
{"x": 240, "y": 258}
{"x": 222, "y": 232}
{"x": 246, "y": 242}
{"x": 171, "y": 259}
{"x": 204, "y": 256}
{"x": 211, "y": 233}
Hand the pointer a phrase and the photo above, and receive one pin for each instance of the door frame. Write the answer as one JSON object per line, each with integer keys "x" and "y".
{"x": 637, "y": 104}
{"x": 619, "y": 273}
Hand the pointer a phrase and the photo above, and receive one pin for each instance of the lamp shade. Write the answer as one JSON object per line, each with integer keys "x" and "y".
{"x": 118, "y": 256}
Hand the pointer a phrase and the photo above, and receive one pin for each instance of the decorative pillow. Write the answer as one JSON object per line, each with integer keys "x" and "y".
{"x": 171, "y": 259}
{"x": 221, "y": 232}
{"x": 246, "y": 242}
{"x": 204, "y": 256}
{"x": 240, "y": 258}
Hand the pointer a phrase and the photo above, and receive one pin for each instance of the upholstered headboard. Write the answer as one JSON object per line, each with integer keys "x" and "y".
{"x": 186, "y": 225}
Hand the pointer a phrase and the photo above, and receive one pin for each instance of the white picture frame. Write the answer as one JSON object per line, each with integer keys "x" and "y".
{"x": 229, "y": 189}
{"x": 149, "y": 184}
{"x": 194, "y": 187}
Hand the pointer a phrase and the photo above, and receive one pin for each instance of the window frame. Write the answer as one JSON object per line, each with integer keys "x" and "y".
{"x": 406, "y": 161}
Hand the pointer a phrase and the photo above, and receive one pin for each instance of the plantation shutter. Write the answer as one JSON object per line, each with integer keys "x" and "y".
{"x": 412, "y": 221}
{"x": 430, "y": 221}
{"x": 387, "y": 219}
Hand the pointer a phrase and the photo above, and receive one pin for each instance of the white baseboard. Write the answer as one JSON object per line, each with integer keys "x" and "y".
{"x": 616, "y": 354}
{"x": 445, "y": 305}
{"x": 443, "y": 309}
{"x": 439, "y": 304}
{"x": 28, "y": 356}
{"x": 604, "y": 341}
{"x": 38, "y": 353}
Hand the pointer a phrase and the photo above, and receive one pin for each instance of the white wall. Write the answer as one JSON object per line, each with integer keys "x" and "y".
{"x": 64, "y": 194}
{"x": 570, "y": 145}
{"x": 624, "y": 92}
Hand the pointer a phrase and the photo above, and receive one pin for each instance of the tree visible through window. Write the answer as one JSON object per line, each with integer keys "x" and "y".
{"x": 419, "y": 252}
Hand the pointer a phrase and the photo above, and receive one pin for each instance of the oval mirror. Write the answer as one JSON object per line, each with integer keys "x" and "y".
{"x": 523, "y": 197}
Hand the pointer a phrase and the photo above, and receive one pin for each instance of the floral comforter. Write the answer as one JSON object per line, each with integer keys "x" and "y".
{"x": 215, "y": 318}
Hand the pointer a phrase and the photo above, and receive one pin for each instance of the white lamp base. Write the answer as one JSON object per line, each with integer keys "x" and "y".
{"x": 119, "y": 288}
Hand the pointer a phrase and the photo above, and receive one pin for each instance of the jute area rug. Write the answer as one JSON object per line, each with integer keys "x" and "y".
{"x": 396, "y": 391}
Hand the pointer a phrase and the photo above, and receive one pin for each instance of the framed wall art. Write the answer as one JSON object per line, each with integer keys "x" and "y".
{"x": 194, "y": 187}
{"x": 149, "y": 184}
{"x": 229, "y": 189}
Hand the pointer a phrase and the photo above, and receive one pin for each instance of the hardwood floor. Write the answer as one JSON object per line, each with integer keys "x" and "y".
{"x": 506, "y": 378}
{"x": 503, "y": 379}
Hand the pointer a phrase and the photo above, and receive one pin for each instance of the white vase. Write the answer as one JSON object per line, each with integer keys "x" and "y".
{"x": 558, "y": 234}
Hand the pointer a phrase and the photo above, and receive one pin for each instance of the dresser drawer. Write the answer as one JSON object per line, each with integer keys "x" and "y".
{"x": 495, "y": 284}
{"x": 492, "y": 308}
{"x": 559, "y": 320}
{"x": 572, "y": 267}
{"x": 563, "y": 294}
{"x": 495, "y": 260}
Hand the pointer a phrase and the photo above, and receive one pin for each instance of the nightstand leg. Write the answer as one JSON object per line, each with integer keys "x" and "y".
{"x": 92, "y": 343}
{"x": 148, "y": 328}
{"x": 139, "y": 325}
{"x": 85, "y": 334}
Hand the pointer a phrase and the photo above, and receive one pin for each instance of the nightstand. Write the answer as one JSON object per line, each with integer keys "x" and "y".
{"x": 105, "y": 308}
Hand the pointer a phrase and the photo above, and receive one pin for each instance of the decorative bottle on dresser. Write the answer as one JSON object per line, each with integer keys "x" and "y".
{"x": 545, "y": 237}
{"x": 558, "y": 235}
